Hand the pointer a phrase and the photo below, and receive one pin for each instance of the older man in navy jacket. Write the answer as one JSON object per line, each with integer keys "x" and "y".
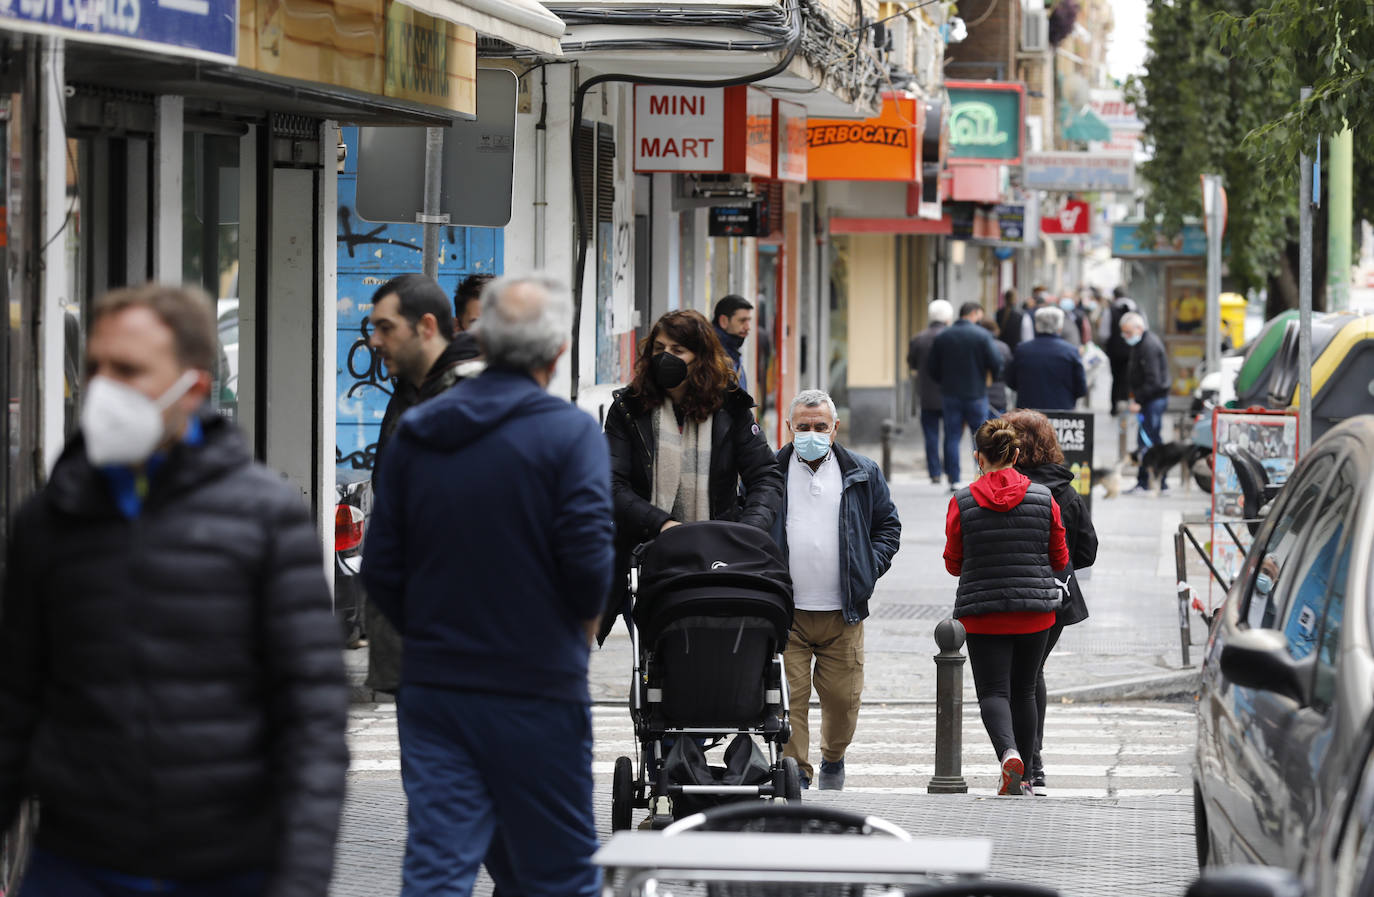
{"x": 1047, "y": 372}
{"x": 496, "y": 635}
{"x": 839, "y": 530}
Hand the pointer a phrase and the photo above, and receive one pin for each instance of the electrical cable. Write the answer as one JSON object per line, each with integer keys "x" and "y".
{"x": 581, "y": 215}
{"x": 992, "y": 4}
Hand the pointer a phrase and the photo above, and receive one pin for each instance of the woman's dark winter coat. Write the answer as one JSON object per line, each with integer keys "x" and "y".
{"x": 171, "y": 685}
{"x": 1078, "y": 531}
{"x": 739, "y": 453}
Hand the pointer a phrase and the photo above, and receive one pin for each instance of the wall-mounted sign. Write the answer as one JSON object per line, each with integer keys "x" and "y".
{"x": 1074, "y": 217}
{"x": 1127, "y": 242}
{"x": 1011, "y": 223}
{"x": 789, "y": 141}
{"x": 733, "y": 221}
{"x": 886, "y": 148}
{"x": 985, "y": 121}
{"x": 381, "y": 48}
{"x": 204, "y": 29}
{"x": 1079, "y": 172}
{"x": 716, "y": 129}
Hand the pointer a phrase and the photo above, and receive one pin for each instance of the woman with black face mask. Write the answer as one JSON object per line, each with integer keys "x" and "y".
{"x": 683, "y": 439}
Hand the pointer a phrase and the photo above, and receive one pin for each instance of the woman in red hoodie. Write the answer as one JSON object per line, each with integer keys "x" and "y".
{"x": 1004, "y": 540}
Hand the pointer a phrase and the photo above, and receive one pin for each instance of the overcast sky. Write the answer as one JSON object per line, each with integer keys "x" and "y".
{"x": 1127, "y": 55}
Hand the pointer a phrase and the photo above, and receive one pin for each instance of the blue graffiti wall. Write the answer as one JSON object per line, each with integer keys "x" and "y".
{"x": 370, "y": 254}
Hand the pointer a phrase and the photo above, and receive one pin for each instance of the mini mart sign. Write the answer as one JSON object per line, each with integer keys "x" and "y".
{"x": 721, "y": 129}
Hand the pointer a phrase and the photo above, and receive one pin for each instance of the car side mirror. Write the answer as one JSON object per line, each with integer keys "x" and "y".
{"x": 1259, "y": 658}
{"x": 1247, "y": 881}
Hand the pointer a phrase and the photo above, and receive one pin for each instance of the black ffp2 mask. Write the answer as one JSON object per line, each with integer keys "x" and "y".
{"x": 669, "y": 370}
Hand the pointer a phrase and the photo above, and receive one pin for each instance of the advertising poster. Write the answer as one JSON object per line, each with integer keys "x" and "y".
{"x": 1075, "y": 433}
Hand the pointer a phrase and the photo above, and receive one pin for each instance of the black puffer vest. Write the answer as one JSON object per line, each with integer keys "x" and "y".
{"x": 1006, "y": 556}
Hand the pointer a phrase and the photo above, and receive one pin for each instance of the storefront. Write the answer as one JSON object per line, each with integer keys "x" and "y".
{"x": 205, "y": 152}
{"x": 1168, "y": 281}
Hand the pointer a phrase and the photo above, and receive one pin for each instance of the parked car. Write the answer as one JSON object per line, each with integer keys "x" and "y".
{"x": 352, "y": 510}
{"x": 1285, "y": 694}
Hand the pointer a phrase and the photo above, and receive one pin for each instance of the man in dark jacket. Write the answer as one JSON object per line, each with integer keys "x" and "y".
{"x": 1118, "y": 353}
{"x": 412, "y": 331}
{"x": 1009, "y": 319}
{"x": 171, "y": 688}
{"x": 494, "y": 709}
{"x": 734, "y": 318}
{"x": 1150, "y": 381}
{"x": 940, "y": 314}
{"x": 962, "y": 360}
{"x": 839, "y": 530}
{"x": 1047, "y": 372}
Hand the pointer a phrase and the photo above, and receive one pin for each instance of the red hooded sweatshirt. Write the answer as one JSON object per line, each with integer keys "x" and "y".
{"x": 1003, "y": 490}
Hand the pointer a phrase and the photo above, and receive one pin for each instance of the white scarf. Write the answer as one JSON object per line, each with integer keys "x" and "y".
{"x": 682, "y": 466}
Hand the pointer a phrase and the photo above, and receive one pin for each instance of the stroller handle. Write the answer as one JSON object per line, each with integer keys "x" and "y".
{"x": 738, "y": 813}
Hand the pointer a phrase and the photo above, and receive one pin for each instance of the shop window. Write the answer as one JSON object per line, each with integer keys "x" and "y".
{"x": 210, "y": 248}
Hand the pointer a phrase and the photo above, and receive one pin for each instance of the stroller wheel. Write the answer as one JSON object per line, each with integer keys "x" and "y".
{"x": 622, "y": 794}
{"x": 791, "y": 780}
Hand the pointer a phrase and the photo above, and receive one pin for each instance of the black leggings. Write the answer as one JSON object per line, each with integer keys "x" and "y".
{"x": 1042, "y": 696}
{"x": 1005, "y": 671}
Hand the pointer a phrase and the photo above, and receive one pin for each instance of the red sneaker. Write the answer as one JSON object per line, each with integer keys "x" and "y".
{"x": 1012, "y": 770}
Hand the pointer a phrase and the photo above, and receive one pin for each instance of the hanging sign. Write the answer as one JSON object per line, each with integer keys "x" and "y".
{"x": 1080, "y": 172}
{"x": 886, "y": 148}
{"x": 733, "y": 221}
{"x": 1011, "y": 223}
{"x": 720, "y": 129}
{"x": 789, "y": 141}
{"x": 1074, "y": 218}
{"x": 985, "y": 121}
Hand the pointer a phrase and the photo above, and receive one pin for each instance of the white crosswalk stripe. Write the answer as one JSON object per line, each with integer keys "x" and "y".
{"x": 1122, "y": 751}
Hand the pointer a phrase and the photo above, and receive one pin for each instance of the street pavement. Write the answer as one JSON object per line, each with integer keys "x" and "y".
{"x": 1117, "y": 818}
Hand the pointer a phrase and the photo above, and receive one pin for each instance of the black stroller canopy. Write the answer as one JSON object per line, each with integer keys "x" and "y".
{"x": 714, "y": 568}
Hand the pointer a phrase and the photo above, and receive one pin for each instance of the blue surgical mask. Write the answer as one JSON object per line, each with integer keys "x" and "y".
{"x": 1132, "y": 340}
{"x": 1264, "y": 583}
{"x": 1067, "y": 304}
{"x": 811, "y": 446}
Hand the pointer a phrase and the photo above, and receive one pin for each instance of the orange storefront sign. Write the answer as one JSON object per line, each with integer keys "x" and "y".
{"x": 886, "y": 148}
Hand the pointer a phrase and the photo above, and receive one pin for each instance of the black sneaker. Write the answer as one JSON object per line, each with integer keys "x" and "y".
{"x": 1038, "y": 778}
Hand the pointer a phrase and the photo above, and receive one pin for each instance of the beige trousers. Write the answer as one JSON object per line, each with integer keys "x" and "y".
{"x": 825, "y": 651}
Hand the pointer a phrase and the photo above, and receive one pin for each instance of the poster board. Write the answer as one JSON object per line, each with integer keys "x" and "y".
{"x": 1075, "y": 433}
{"x": 1272, "y": 436}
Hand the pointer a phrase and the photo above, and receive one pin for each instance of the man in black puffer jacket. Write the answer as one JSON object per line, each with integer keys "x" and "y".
{"x": 171, "y": 688}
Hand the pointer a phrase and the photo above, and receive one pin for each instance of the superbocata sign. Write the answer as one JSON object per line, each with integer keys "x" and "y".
{"x": 707, "y": 130}
{"x": 885, "y": 148}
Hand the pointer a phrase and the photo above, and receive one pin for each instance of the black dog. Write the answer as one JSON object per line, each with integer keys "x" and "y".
{"x": 1160, "y": 459}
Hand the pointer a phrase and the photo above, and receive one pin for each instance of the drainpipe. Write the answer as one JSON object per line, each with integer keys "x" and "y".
{"x": 541, "y": 199}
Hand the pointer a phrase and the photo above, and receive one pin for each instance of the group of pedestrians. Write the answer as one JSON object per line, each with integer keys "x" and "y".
{"x": 172, "y": 690}
{"x": 1039, "y": 351}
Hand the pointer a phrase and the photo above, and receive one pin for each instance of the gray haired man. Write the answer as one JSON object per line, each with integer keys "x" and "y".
{"x": 839, "y": 530}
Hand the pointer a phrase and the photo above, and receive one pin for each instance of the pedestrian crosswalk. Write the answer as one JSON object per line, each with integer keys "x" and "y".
{"x": 1108, "y": 750}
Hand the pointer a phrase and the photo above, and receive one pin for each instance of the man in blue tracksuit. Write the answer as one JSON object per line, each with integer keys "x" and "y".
{"x": 963, "y": 359}
{"x": 493, "y": 709}
{"x": 839, "y": 530}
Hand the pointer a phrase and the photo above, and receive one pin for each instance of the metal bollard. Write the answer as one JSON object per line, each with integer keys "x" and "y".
{"x": 949, "y": 710}
{"x": 889, "y": 429}
{"x": 1185, "y": 624}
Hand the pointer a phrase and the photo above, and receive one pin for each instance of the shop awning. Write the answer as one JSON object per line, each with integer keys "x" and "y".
{"x": 1086, "y": 125}
{"x": 523, "y": 23}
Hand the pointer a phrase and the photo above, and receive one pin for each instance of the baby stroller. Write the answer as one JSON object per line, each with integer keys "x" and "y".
{"x": 712, "y": 606}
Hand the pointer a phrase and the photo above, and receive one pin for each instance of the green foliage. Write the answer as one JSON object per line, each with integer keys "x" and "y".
{"x": 1221, "y": 94}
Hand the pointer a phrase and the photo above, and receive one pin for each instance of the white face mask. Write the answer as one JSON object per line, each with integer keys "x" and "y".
{"x": 121, "y": 424}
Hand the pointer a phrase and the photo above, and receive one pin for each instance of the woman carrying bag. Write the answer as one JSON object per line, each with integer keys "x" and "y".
{"x": 1004, "y": 540}
{"x": 1042, "y": 460}
{"x": 683, "y": 439}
